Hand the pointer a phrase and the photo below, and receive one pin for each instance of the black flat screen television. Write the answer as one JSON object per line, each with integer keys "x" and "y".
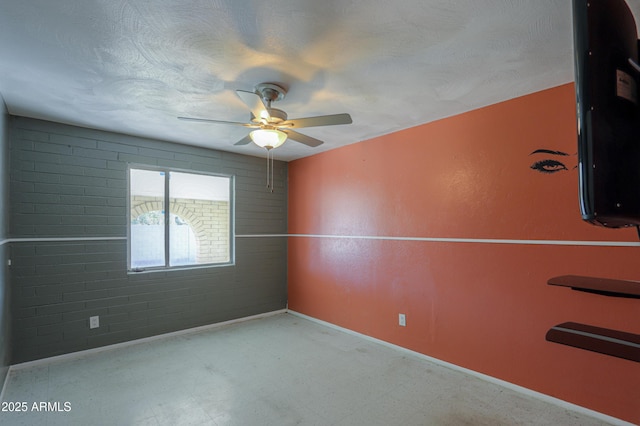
{"x": 607, "y": 81}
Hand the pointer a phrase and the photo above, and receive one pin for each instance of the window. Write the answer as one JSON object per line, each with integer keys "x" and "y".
{"x": 197, "y": 228}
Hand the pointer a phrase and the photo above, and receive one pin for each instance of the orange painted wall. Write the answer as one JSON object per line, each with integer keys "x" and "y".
{"x": 483, "y": 306}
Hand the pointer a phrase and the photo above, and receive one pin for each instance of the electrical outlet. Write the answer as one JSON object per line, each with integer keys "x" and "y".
{"x": 402, "y": 320}
{"x": 94, "y": 322}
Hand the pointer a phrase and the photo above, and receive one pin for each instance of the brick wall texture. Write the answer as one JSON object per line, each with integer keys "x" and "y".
{"x": 209, "y": 220}
{"x": 68, "y": 213}
{"x": 5, "y": 314}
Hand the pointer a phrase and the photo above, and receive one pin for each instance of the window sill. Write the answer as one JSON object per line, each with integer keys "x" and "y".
{"x": 137, "y": 271}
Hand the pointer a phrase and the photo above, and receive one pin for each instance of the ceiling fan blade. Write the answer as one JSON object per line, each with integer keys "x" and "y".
{"x": 244, "y": 141}
{"x": 303, "y": 139}
{"x": 206, "y": 120}
{"x": 321, "y": 120}
{"x": 255, "y": 104}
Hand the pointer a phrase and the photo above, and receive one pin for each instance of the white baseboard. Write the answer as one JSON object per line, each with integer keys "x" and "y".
{"x": 75, "y": 355}
{"x": 490, "y": 379}
{"x": 538, "y": 395}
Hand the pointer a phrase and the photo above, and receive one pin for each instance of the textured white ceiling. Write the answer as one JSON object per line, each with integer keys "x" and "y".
{"x": 133, "y": 66}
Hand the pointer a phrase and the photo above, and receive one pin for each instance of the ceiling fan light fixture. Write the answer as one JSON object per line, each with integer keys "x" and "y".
{"x": 268, "y": 138}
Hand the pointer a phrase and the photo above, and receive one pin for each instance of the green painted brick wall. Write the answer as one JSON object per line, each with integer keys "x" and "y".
{"x": 70, "y": 183}
{"x": 5, "y": 318}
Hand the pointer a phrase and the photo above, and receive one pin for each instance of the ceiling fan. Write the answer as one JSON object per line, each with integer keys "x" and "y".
{"x": 272, "y": 125}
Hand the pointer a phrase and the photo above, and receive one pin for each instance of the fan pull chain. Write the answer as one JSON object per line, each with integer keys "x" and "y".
{"x": 269, "y": 170}
{"x": 272, "y": 172}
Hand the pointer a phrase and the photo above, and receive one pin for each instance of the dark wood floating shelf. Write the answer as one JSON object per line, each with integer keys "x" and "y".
{"x": 602, "y": 286}
{"x": 602, "y": 340}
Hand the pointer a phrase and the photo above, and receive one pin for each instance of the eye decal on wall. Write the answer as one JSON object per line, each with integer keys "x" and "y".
{"x": 550, "y": 165}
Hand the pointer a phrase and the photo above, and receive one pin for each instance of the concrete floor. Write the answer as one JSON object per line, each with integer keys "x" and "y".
{"x": 278, "y": 370}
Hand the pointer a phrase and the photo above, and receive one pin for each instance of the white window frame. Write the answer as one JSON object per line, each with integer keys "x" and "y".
{"x": 166, "y": 207}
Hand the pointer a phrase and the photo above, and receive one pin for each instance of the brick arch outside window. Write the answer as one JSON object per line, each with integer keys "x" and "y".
{"x": 212, "y": 237}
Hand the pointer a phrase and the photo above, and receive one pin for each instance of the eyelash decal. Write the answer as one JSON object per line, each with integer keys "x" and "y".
{"x": 548, "y": 166}
{"x": 548, "y": 151}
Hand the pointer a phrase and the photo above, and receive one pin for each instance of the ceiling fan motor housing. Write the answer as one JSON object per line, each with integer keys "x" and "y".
{"x": 277, "y": 115}
{"x": 271, "y": 92}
